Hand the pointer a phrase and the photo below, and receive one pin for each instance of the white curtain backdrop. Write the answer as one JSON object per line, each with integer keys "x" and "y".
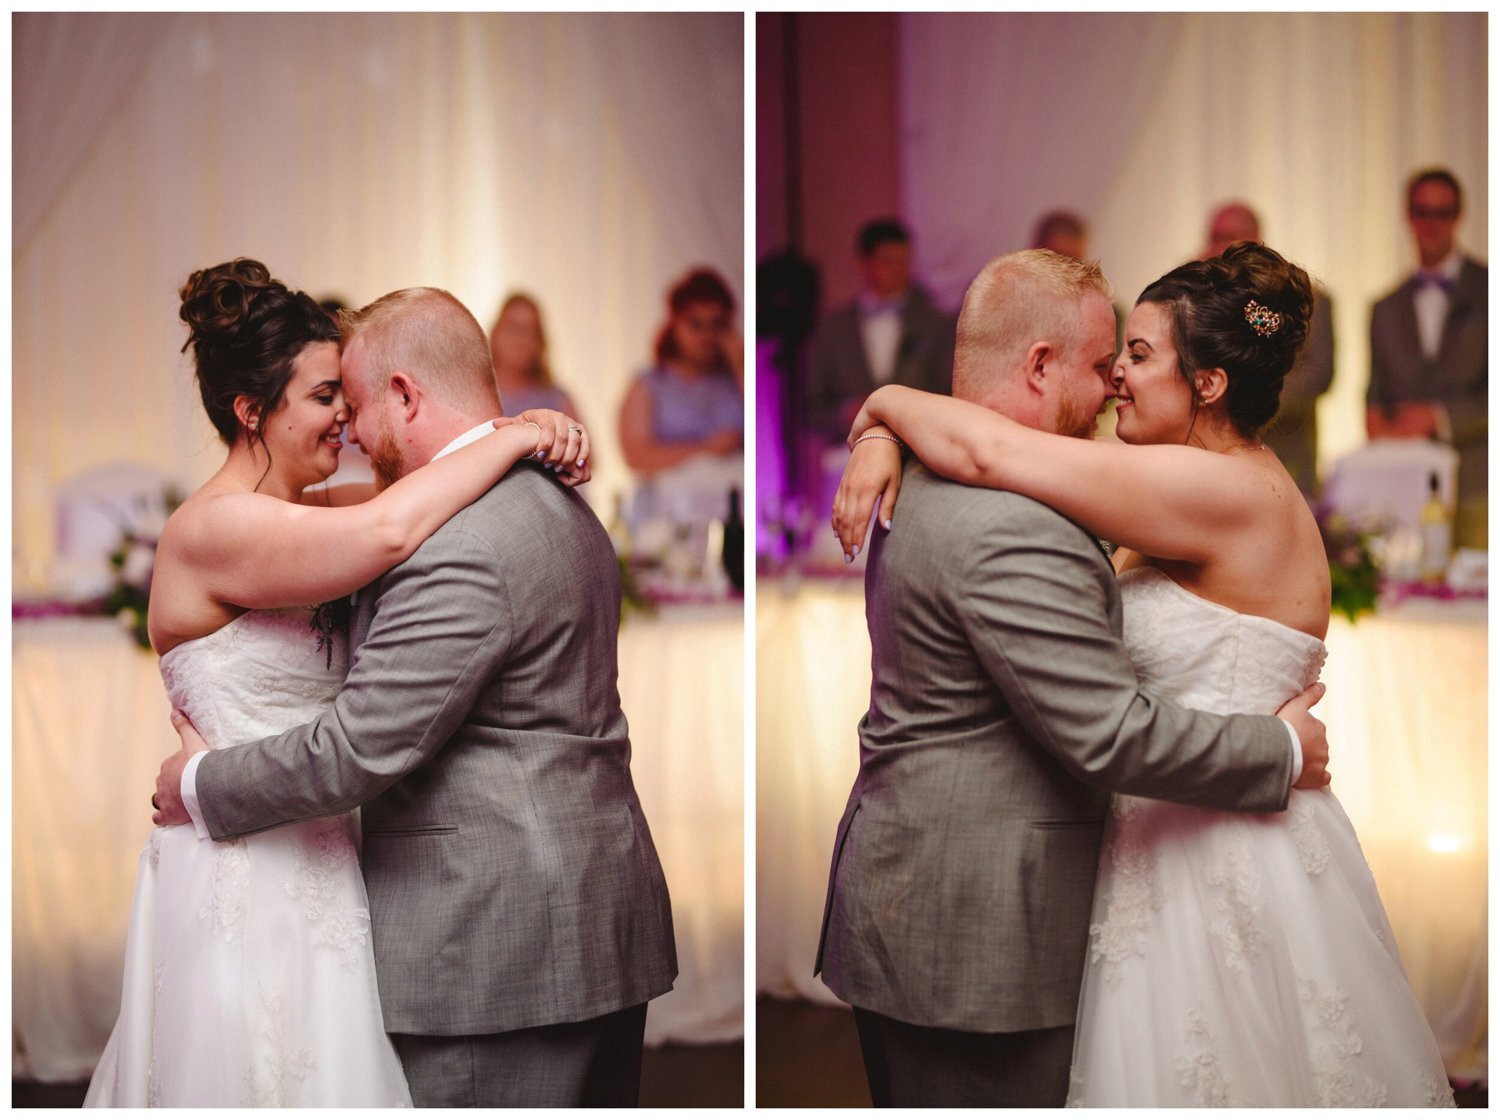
{"x": 1144, "y": 123}
{"x": 591, "y": 159}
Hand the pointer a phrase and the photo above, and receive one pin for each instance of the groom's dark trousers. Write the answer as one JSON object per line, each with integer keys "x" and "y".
{"x": 593, "y": 1064}
{"x": 932, "y": 1067}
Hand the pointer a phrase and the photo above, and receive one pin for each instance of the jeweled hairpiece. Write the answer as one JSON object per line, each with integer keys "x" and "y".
{"x": 1262, "y": 320}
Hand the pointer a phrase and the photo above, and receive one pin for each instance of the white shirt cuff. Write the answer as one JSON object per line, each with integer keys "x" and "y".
{"x": 1290, "y": 730}
{"x": 189, "y": 792}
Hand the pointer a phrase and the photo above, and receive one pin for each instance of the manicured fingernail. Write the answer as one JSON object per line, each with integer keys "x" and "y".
{"x": 856, "y": 551}
{"x": 848, "y": 559}
{"x": 887, "y": 523}
{"x": 540, "y": 455}
{"x": 581, "y": 462}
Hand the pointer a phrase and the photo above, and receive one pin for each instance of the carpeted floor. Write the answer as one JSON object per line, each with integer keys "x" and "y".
{"x": 808, "y": 1057}
{"x": 671, "y": 1077}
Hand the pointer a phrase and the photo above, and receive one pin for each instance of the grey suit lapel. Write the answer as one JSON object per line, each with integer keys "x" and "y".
{"x": 1466, "y": 294}
{"x": 1408, "y": 336}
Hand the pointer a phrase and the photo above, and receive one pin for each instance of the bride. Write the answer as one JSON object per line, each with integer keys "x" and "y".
{"x": 249, "y": 973}
{"x": 1234, "y": 959}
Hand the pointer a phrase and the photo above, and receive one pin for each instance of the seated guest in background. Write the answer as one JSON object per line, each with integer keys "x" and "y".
{"x": 1067, "y": 234}
{"x": 890, "y": 334}
{"x": 692, "y": 401}
{"x": 1293, "y": 434}
{"x": 518, "y": 345}
{"x": 1429, "y": 349}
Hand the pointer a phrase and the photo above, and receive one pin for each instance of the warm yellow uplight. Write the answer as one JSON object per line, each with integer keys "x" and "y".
{"x": 1439, "y": 842}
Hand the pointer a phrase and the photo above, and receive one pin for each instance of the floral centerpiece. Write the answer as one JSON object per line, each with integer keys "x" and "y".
{"x": 1354, "y": 565}
{"x": 133, "y": 562}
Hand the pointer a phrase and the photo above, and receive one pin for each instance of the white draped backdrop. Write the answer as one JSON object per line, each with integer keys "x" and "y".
{"x": 590, "y": 159}
{"x": 1143, "y": 123}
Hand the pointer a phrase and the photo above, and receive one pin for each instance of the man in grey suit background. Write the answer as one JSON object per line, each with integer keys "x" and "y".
{"x": 518, "y": 910}
{"x": 1003, "y": 709}
{"x": 1429, "y": 349}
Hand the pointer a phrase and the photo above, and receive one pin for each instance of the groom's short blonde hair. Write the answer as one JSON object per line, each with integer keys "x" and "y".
{"x": 1015, "y": 301}
{"x": 431, "y": 336}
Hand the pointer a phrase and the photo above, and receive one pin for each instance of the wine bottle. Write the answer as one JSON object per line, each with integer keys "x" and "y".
{"x": 1437, "y": 535}
{"x": 734, "y": 542}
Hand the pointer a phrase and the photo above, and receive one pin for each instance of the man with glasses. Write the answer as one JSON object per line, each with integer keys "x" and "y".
{"x": 1429, "y": 348}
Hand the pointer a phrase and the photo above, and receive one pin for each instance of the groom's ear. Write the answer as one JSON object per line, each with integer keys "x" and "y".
{"x": 404, "y": 390}
{"x": 1037, "y": 358}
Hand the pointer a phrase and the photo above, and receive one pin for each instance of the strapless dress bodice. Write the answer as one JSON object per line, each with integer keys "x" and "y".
{"x": 260, "y": 675}
{"x": 1206, "y": 656}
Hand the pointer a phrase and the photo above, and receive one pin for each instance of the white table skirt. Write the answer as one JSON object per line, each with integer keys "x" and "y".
{"x": 90, "y": 730}
{"x": 1406, "y": 714}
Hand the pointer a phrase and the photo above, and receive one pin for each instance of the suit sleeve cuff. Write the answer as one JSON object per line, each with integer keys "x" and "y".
{"x": 189, "y": 793}
{"x": 1290, "y": 730}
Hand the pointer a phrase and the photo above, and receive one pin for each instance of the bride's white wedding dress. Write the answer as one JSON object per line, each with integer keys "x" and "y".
{"x": 249, "y": 973}
{"x": 1239, "y": 959}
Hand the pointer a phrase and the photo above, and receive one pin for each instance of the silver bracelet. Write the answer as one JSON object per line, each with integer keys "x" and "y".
{"x": 876, "y": 435}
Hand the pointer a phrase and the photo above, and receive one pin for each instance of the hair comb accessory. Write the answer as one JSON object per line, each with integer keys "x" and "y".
{"x": 1262, "y": 320}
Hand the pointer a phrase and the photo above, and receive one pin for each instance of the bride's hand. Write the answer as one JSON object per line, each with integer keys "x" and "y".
{"x": 872, "y": 479}
{"x": 562, "y": 444}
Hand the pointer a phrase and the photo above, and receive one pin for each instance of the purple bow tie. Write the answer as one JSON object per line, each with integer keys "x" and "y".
{"x": 1427, "y": 279}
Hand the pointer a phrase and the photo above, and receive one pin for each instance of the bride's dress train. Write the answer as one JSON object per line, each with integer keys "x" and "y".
{"x": 1239, "y": 959}
{"x": 249, "y": 972}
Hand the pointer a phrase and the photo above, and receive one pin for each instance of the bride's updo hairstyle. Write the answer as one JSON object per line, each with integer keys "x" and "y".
{"x": 1245, "y": 312}
{"x": 245, "y": 330}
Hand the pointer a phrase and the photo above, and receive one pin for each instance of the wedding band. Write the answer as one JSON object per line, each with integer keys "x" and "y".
{"x": 575, "y": 428}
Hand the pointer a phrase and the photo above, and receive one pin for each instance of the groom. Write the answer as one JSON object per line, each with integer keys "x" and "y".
{"x": 519, "y": 914}
{"x": 1002, "y": 712}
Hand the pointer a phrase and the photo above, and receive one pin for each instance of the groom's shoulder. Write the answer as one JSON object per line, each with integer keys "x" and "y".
{"x": 527, "y": 505}
{"x": 974, "y": 511}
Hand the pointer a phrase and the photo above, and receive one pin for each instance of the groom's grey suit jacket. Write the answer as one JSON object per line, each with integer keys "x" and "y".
{"x": 512, "y": 879}
{"x": 1003, "y": 710}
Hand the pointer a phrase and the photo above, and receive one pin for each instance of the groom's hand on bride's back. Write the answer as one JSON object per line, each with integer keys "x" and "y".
{"x": 167, "y": 800}
{"x": 1312, "y": 735}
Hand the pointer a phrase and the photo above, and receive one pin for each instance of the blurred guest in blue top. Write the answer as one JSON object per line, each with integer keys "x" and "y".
{"x": 518, "y": 345}
{"x": 691, "y": 402}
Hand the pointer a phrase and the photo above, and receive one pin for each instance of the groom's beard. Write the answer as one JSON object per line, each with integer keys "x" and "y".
{"x": 385, "y": 459}
{"x": 1074, "y": 419}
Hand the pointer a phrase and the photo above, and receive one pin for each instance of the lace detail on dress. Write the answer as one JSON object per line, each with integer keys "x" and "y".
{"x": 1199, "y": 1070}
{"x": 1439, "y": 1093}
{"x": 1336, "y": 1084}
{"x": 1312, "y": 845}
{"x": 267, "y": 1080}
{"x": 153, "y": 849}
{"x": 1134, "y": 895}
{"x": 226, "y": 909}
{"x": 316, "y": 885}
{"x": 1238, "y": 905}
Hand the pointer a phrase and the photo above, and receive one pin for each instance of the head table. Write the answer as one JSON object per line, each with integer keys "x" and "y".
{"x": 91, "y": 727}
{"x": 1406, "y": 715}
